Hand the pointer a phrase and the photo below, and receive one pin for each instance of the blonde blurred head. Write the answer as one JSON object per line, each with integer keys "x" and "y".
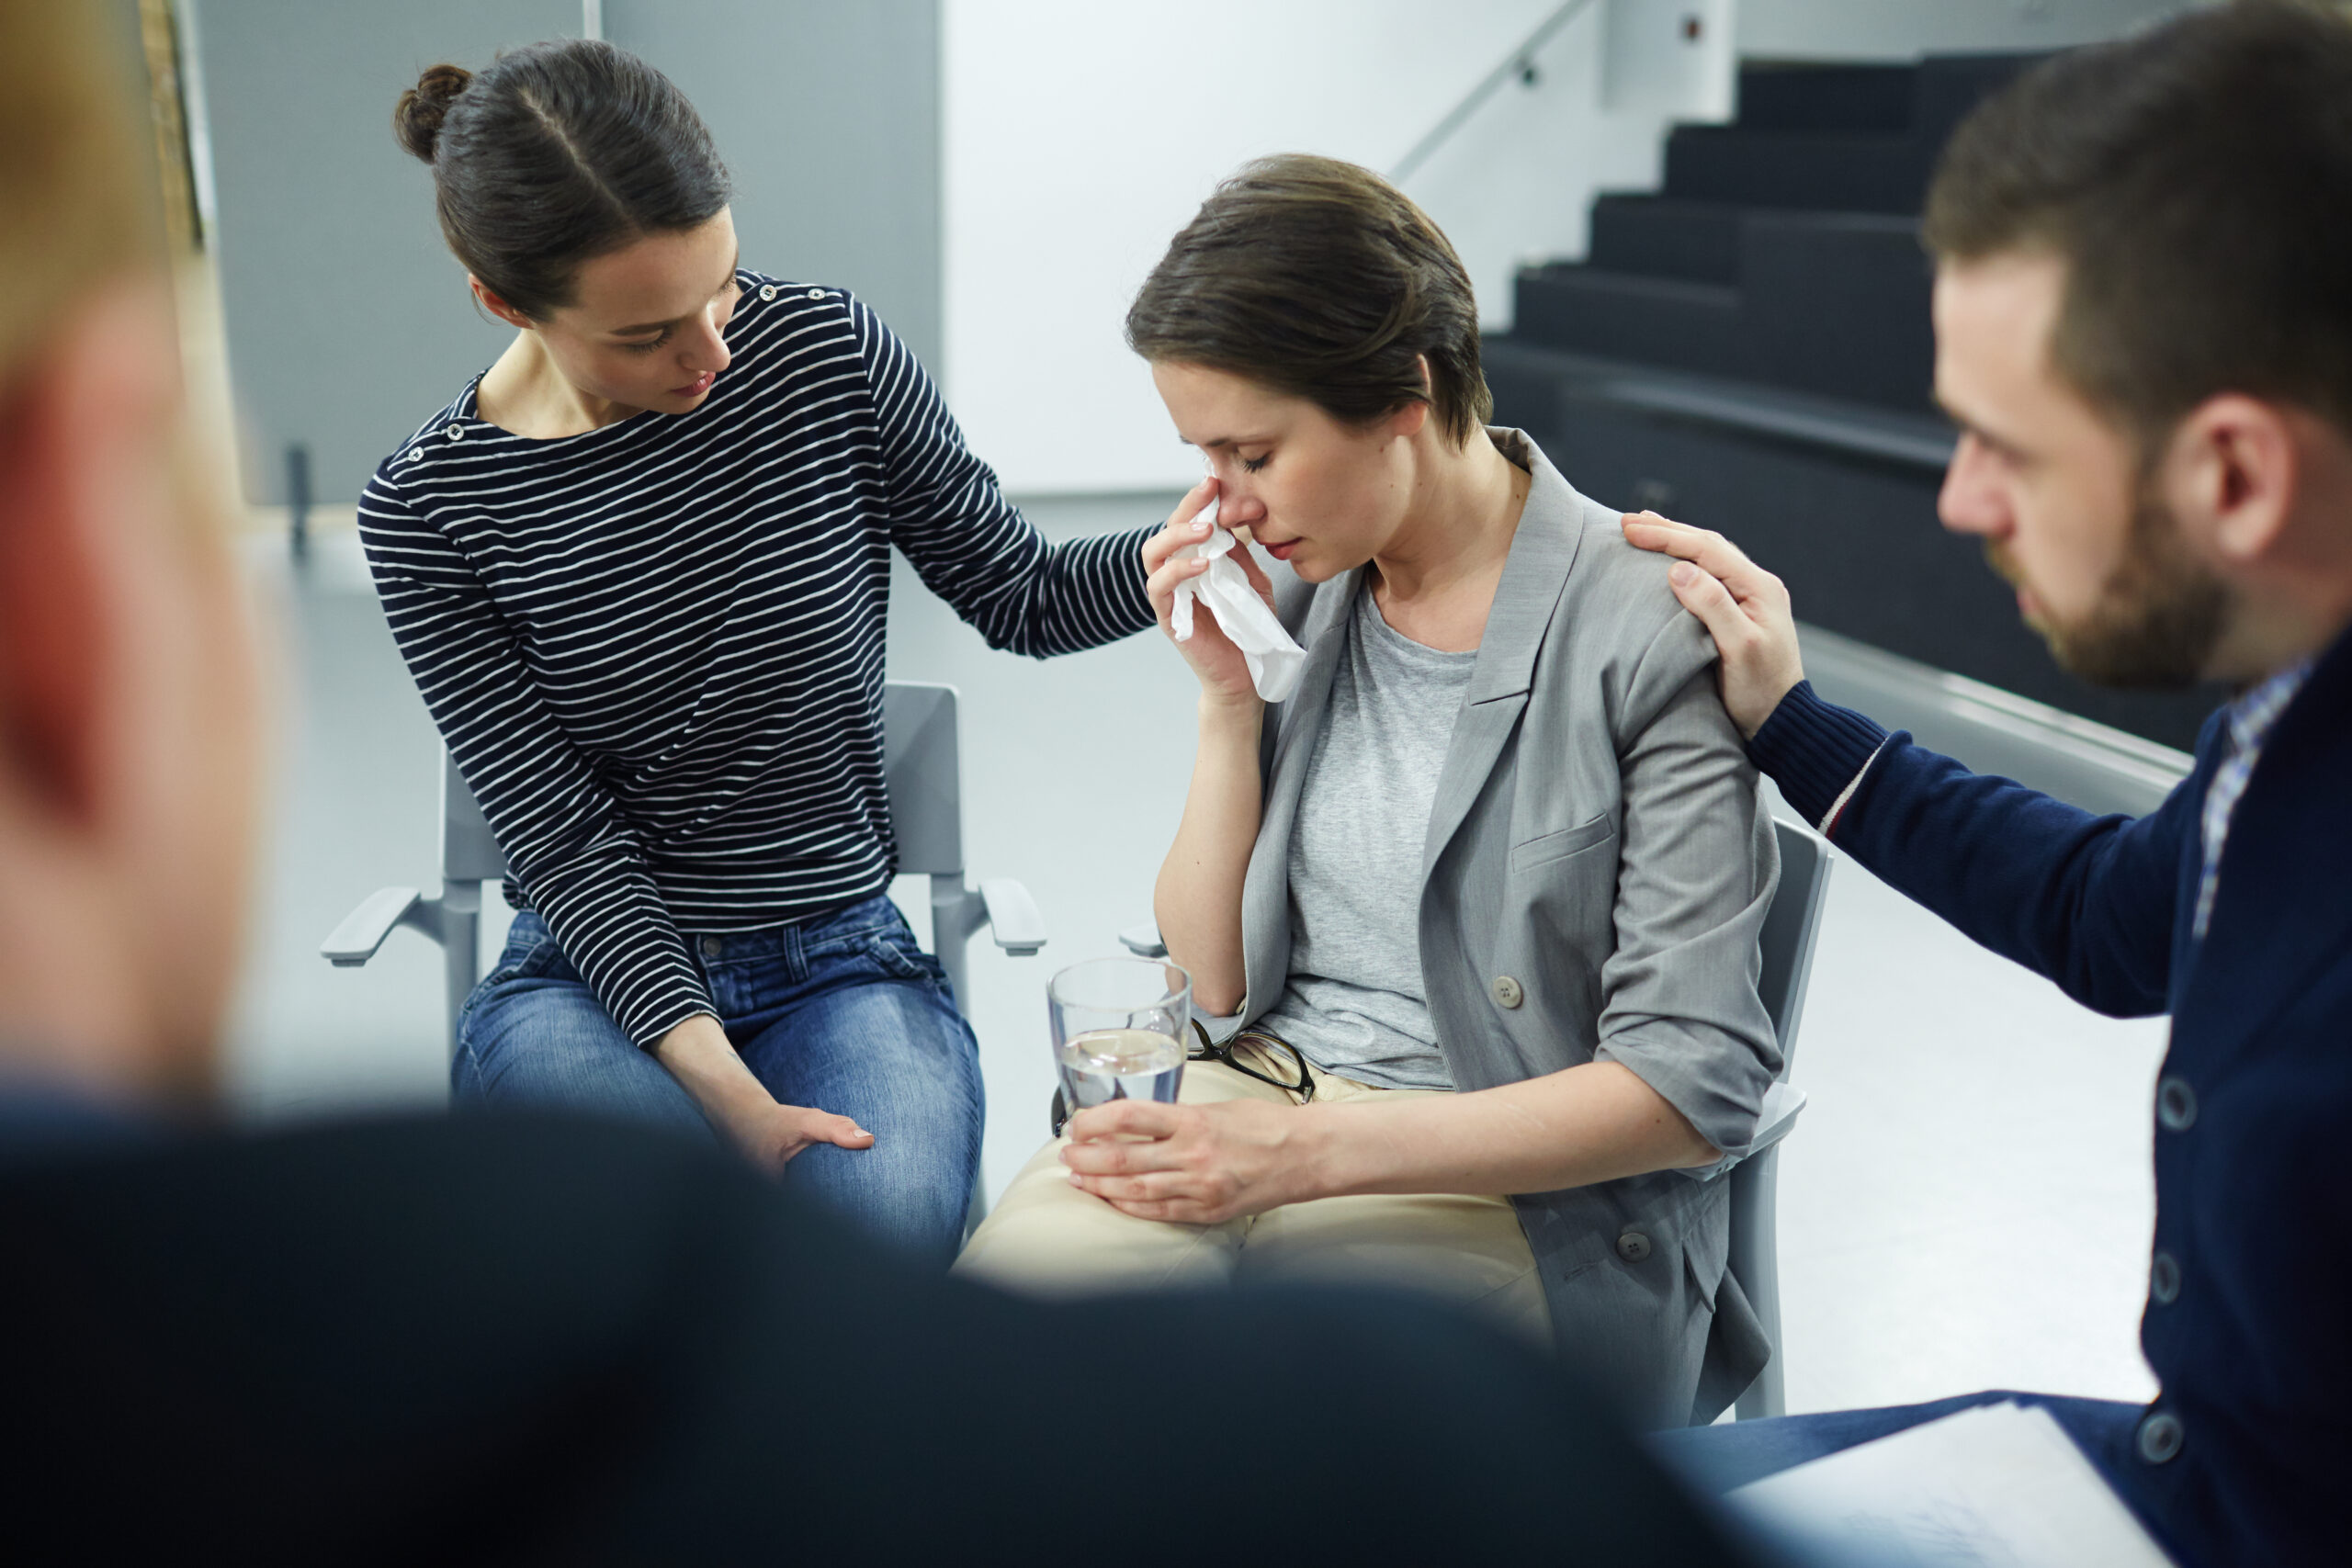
{"x": 128, "y": 688}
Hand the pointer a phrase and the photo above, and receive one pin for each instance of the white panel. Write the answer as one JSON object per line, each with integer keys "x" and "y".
{"x": 1079, "y": 137}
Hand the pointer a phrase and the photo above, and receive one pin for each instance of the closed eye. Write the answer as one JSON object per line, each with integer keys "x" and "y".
{"x": 1253, "y": 464}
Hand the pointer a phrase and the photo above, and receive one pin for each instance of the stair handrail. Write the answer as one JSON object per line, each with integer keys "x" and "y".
{"x": 1519, "y": 62}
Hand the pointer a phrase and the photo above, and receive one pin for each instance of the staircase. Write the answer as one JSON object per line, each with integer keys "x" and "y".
{"x": 1749, "y": 349}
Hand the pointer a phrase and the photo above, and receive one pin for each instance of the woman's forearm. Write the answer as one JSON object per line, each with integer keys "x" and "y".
{"x": 1198, "y": 898}
{"x": 1589, "y": 1124}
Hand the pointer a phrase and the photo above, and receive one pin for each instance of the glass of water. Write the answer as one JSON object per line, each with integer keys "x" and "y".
{"x": 1119, "y": 1027}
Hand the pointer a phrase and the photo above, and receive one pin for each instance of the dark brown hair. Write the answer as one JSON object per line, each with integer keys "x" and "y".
{"x": 2197, "y": 182}
{"x": 556, "y": 153}
{"x": 1320, "y": 280}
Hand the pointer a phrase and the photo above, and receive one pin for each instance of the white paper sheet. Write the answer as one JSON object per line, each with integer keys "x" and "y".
{"x": 1999, "y": 1486}
{"x": 1275, "y": 658}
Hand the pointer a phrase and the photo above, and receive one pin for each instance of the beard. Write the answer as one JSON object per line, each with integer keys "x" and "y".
{"x": 2157, "y": 619}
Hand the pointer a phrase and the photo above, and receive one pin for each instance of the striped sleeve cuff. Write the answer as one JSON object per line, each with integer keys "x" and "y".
{"x": 1814, "y": 750}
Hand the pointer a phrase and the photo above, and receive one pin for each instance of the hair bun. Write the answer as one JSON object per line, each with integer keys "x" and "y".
{"x": 417, "y": 119}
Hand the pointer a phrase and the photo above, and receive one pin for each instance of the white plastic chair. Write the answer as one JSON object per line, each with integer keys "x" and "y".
{"x": 922, "y": 768}
{"x": 1791, "y": 928}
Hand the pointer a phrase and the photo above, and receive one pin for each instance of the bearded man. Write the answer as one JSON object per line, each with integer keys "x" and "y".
{"x": 2143, "y": 331}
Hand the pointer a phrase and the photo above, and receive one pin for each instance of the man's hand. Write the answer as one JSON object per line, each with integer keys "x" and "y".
{"x": 1743, "y": 606}
{"x": 701, "y": 1057}
{"x": 1196, "y": 1164}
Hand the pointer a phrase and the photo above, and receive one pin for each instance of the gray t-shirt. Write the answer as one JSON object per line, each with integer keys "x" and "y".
{"x": 1353, "y": 1002}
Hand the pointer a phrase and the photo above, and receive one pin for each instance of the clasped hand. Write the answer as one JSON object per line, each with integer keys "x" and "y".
{"x": 1192, "y": 1164}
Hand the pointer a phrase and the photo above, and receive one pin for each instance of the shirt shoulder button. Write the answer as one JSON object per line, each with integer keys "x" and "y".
{"x": 767, "y": 292}
{"x": 816, "y": 293}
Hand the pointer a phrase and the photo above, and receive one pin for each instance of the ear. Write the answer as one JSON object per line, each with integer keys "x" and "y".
{"x": 2231, "y": 472}
{"x": 496, "y": 306}
{"x": 78, "y": 440}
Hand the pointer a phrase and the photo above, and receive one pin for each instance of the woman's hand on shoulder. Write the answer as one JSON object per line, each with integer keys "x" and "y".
{"x": 1224, "y": 672}
{"x": 1194, "y": 1165}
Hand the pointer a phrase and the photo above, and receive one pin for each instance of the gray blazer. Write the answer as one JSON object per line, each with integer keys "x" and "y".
{"x": 1594, "y": 883}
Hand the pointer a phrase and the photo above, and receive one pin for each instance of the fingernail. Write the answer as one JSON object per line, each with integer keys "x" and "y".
{"x": 1200, "y": 527}
{"x": 1076, "y": 1180}
{"x": 1684, "y": 573}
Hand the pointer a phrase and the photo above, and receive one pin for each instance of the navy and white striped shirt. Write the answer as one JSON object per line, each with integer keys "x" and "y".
{"x": 656, "y": 649}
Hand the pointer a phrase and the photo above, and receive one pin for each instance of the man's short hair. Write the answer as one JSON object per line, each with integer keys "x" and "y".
{"x": 2197, "y": 182}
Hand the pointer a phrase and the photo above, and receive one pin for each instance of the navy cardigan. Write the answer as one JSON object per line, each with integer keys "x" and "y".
{"x": 2247, "y": 1326}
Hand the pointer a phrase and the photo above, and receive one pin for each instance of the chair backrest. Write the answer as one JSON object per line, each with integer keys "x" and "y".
{"x": 920, "y": 765}
{"x": 923, "y": 768}
{"x": 469, "y": 851}
{"x": 1791, "y": 928}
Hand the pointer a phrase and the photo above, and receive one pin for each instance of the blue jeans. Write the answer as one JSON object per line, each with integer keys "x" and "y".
{"x": 842, "y": 1012}
{"x": 1716, "y": 1458}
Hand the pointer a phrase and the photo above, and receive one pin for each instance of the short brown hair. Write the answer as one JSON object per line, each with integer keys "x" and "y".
{"x": 1320, "y": 280}
{"x": 2197, "y": 182}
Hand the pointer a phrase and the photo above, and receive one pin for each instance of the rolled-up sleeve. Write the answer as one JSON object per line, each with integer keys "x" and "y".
{"x": 1697, "y": 869}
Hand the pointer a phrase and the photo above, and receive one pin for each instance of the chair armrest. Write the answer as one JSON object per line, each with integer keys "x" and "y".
{"x": 1142, "y": 941}
{"x": 1774, "y": 1120}
{"x": 363, "y": 930}
{"x": 1782, "y": 1102}
{"x": 1013, "y": 919}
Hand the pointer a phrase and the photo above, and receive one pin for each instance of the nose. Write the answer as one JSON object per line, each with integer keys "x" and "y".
{"x": 1971, "y": 500}
{"x": 1236, "y": 501}
{"x": 706, "y": 349}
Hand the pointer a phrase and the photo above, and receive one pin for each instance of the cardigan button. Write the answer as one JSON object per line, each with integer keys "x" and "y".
{"x": 1507, "y": 992}
{"x": 1632, "y": 1246}
{"x": 2175, "y": 1105}
{"x": 2163, "y": 1278}
{"x": 2159, "y": 1438}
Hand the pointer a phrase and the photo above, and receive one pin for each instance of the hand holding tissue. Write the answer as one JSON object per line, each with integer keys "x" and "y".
{"x": 1275, "y": 659}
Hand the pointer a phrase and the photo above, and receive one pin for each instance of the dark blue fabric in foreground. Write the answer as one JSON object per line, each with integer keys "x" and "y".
{"x": 2246, "y": 1323}
{"x": 530, "y": 1340}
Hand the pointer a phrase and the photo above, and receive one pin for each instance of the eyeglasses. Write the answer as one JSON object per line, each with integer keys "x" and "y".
{"x": 1210, "y": 1051}
{"x": 1266, "y": 1040}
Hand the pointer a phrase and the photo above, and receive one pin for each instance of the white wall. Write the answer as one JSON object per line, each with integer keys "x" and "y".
{"x": 1081, "y": 136}
{"x": 1898, "y": 29}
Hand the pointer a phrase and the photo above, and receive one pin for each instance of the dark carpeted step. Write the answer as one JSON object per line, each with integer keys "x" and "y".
{"x": 1795, "y": 95}
{"x": 1824, "y": 170}
{"x": 1696, "y": 242}
{"x": 1951, "y": 85}
{"x": 1837, "y": 303}
{"x": 1691, "y": 326}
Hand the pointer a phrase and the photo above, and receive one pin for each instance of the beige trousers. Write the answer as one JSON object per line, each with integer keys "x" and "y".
{"x": 1046, "y": 1237}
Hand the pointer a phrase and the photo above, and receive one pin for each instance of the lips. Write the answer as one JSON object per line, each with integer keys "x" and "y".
{"x": 697, "y": 386}
{"x": 1281, "y": 551}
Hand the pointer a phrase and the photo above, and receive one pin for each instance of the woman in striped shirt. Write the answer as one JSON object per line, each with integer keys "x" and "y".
{"x": 640, "y": 568}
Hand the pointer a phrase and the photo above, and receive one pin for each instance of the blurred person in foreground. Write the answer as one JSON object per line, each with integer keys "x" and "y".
{"x": 2143, "y": 329}
{"x": 531, "y": 1339}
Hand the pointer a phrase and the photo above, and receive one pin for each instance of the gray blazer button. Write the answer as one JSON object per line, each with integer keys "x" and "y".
{"x": 2163, "y": 1278}
{"x": 712, "y": 947}
{"x": 1507, "y": 992}
{"x": 2175, "y": 1105}
{"x": 2159, "y": 1439}
{"x": 1632, "y": 1246}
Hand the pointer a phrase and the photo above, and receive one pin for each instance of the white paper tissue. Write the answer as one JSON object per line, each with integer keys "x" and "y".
{"x": 1275, "y": 658}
